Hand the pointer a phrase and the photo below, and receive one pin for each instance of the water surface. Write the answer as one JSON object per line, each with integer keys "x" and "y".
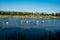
{"x": 48, "y": 24}
{"x": 29, "y": 26}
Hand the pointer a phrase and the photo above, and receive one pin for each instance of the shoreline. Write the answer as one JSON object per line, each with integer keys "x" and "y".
{"x": 17, "y": 16}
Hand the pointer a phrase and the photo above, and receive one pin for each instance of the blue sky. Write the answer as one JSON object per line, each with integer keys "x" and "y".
{"x": 48, "y": 6}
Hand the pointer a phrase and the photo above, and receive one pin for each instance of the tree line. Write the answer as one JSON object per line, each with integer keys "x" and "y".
{"x": 28, "y": 13}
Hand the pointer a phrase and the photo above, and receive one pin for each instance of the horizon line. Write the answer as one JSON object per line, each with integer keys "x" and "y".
{"x": 29, "y": 11}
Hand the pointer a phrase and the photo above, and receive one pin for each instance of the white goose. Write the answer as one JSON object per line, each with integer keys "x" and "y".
{"x": 37, "y": 22}
{"x": 6, "y": 22}
{"x": 27, "y": 22}
{"x": 43, "y": 21}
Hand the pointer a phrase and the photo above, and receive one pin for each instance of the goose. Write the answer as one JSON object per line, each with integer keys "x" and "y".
{"x": 37, "y": 22}
{"x": 43, "y": 21}
{"x": 21, "y": 22}
{"x": 27, "y": 22}
{"x": 6, "y": 22}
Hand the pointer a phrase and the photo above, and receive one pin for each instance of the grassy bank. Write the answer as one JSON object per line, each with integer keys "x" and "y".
{"x": 14, "y": 14}
{"x": 26, "y": 16}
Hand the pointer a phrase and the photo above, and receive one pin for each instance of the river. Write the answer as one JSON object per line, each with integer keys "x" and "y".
{"x": 29, "y": 26}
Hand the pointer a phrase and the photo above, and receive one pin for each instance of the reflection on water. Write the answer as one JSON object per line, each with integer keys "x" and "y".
{"x": 43, "y": 23}
{"x": 29, "y": 28}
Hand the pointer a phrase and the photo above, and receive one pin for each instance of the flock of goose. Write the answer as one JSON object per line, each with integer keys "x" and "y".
{"x": 27, "y": 22}
{"x": 34, "y": 22}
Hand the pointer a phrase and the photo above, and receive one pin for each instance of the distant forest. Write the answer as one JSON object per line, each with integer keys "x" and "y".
{"x": 28, "y": 13}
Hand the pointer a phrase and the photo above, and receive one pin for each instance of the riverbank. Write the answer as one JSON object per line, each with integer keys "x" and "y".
{"x": 17, "y": 16}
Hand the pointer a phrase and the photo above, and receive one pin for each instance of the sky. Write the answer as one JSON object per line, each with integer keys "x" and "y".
{"x": 48, "y": 6}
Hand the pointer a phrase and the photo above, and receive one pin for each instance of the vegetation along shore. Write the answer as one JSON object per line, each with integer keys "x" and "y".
{"x": 13, "y": 14}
